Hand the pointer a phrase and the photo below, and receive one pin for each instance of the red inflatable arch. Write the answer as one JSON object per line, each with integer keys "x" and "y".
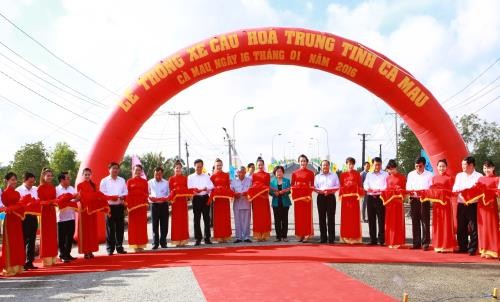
{"x": 287, "y": 46}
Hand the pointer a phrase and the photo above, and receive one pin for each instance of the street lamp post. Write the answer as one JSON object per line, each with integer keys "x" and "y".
{"x": 234, "y": 118}
{"x": 327, "y": 142}
{"x": 317, "y": 147}
{"x": 272, "y": 146}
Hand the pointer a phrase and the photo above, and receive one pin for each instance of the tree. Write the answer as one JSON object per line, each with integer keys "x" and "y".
{"x": 30, "y": 158}
{"x": 63, "y": 158}
{"x": 4, "y": 170}
{"x": 149, "y": 162}
{"x": 408, "y": 149}
{"x": 126, "y": 167}
{"x": 481, "y": 137}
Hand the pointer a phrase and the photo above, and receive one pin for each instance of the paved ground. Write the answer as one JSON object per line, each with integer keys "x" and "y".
{"x": 423, "y": 282}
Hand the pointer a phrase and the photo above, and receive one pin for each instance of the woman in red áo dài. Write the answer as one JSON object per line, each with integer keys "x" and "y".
{"x": 393, "y": 198}
{"x": 48, "y": 222}
{"x": 259, "y": 196}
{"x": 221, "y": 196}
{"x": 13, "y": 251}
{"x": 179, "y": 193}
{"x": 439, "y": 193}
{"x": 302, "y": 184}
{"x": 137, "y": 206}
{"x": 351, "y": 191}
{"x": 487, "y": 213}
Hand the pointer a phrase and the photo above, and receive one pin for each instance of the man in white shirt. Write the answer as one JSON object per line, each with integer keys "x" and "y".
{"x": 241, "y": 205}
{"x": 324, "y": 184}
{"x": 202, "y": 186}
{"x": 114, "y": 185}
{"x": 420, "y": 180}
{"x": 466, "y": 214}
{"x": 158, "y": 191}
{"x": 366, "y": 169}
{"x": 374, "y": 184}
{"x": 30, "y": 222}
{"x": 65, "y": 219}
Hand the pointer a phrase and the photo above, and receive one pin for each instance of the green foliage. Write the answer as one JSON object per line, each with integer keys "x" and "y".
{"x": 150, "y": 161}
{"x": 63, "y": 158}
{"x": 30, "y": 158}
{"x": 408, "y": 149}
{"x": 482, "y": 138}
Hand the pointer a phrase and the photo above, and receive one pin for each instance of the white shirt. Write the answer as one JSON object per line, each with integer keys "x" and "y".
{"x": 375, "y": 181}
{"x": 158, "y": 188}
{"x": 418, "y": 182}
{"x": 68, "y": 214}
{"x": 199, "y": 182}
{"x": 114, "y": 187}
{"x": 465, "y": 181}
{"x": 23, "y": 191}
{"x": 326, "y": 181}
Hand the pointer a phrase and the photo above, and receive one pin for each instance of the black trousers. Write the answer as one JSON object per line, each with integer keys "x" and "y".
{"x": 467, "y": 217}
{"x": 420, "y": 216}
{"x": 65, "y": 232}
{"x": 159, "y": 217}
{"x": 376, "y": 213}
{"x": 115, "y": 227}
{"x": 200, "y": 208}
{"x": 326, "y": 211}
{"x": 30, "y": 226}
{"x": 280, "y": 214}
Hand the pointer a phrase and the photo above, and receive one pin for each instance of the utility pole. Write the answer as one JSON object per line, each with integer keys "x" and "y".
{"x": 396, "y": 130}
{"x": 187, "y": 158}
{"x": 179, "y": 125}
{"x": 363, "y": 146}
{"x": 380, "y": 150}
{"x": 230, "y": 146}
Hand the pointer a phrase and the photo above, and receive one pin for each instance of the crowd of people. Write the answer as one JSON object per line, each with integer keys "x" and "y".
{"x": 464, "y": 208}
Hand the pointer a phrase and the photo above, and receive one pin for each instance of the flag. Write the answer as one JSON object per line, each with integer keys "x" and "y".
{"x": 428, "y": 165}
{"x": 137, "y": 161}
{"x": 334, "y": 168}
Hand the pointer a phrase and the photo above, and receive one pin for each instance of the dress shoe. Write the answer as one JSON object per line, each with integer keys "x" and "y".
{"x": 65, "y": 260}
{"x": 331, "y": 241}
{"x": 382, "y": 243}
{"x": 208, "y": 241}
{"x": 110, "y": 253}
{"x": 301, "y": 239}
{"x": 198, "y": 242}
{"x": 416, "y": 247}
{"x": 277, "y": 240}
{"x": 237, "y": 241}
{"x": 29, "y": 265}
{"x": 322, "y": 241}
{"x": 425, "y": 247}
{"x": 471, "y": 252}
{"x": 71, "y": 258}
{"x": 91, "y": 255}
{"x": 86, "y": 256}
{"x": 372, "y": 243}
{"x": 155, "y": 247}
{"x": 285, "y": 239}
{"x": 121, "y": 251}
{"x": 163, "y": 246}
{"x": 248, "y": 241}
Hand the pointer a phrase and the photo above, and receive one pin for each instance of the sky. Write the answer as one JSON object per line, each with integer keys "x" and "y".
{"x": 452, "y": 47}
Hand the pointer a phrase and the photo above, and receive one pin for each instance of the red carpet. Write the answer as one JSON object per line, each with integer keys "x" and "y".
{"x": 282, "y": 282}
{"x": 255, "y": 255}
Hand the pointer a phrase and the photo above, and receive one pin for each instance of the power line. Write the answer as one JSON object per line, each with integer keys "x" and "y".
{"x": 472, "y": 81}
{"x": 49, "y": 75}
{"x": 41, "y": 117}
{"x": 94, "y": 103}
{"x": 56, "y": 56}
{"x": 47, "y": 99}
{"x": 487, "y": 104}
{"x": 472, "y": 99}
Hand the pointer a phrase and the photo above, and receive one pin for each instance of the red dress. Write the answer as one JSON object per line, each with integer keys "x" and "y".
{"x": 13, "y": 251}
{"x": 487, "y": 218}
{"x": 261, "y": 209}
{"x": 443, "y": 219}
{"x": 302, "y": 183}
{"x": 179, "y": 194}
{"x": 48, "y": 224}
{"x": 221, "y": 196}
{"x": 394, "y": 212}
{"x": 87, "y": 222}
{"x": 350, "y": 193}
{"x": 137, "y": 206}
